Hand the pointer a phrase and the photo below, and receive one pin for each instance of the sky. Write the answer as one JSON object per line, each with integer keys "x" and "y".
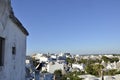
{"x": 75, "y": 26}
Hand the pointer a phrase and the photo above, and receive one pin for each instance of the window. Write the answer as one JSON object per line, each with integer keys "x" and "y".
{"x": 1, "y": 51}
{"x": 13, "y": 50}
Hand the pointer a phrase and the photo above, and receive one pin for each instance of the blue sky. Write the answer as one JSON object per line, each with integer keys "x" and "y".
{"x": 76, "y": 26}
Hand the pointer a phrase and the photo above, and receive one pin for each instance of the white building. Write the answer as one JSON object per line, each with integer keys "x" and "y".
{"x": 41, "y": 57}
{"x": 89, "y": 77}
{"x": 109, "y": 56}
{"x": 111, "y": 66}
{"x": 51, "y": 67}
{"x": 53, "y": 56}
{"x": 79, "y": 66}
{"x": 12, "y": 44}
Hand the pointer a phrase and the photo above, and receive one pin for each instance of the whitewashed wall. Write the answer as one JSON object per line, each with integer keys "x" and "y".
{"x": 56, "y": 66}
{"x": 14, "y": 66}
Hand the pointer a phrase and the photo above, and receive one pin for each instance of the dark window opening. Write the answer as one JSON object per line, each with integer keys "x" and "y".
{"x": 1, "y": 51}
{"x": 13, "y": 50}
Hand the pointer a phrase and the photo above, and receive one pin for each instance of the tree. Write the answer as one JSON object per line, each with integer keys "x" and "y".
{"x": 106, "y": 59}
{"x": 89, "y": 69}
{"x": 70, "y": 60}
{"x": 84, "y": 61}
{"x": 89, "y": 61}
{"x": 94, "y": 69}
{"x": 58, "y": 72}
{"x": 98, "y": 68}
{"x": 73, "y": 76}
{"x": 110, "y": 72}
{"x": 114, "y": 59}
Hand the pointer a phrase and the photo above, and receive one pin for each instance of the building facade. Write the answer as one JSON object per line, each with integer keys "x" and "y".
{"x": 52, "y": 66}
{"x": 12, "y": 44}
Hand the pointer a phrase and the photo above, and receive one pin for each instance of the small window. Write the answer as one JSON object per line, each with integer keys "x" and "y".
{"x": 13, "y": 50}
{"x": 1, "y": 51}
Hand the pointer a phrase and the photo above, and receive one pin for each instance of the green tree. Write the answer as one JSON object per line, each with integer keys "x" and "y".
{"x": 64, "y": 77}
{"x": 110, "y": 72}
{"x": 94, "y": 69}
{"x": 89, "y": 69}
{"x": 73, "y": 76}
{"x": 114, "y": 59}
{"x": 89, "y": 61}
{"x": 58, "y": 72}
{"x": 57, "y": 75}
{"x": 118, "y": 72}
{"x": 84, "y": 61}
{"x": 98, "y": 68}
{"x": 106, "y": 59}
{"x": 70, "y": 60}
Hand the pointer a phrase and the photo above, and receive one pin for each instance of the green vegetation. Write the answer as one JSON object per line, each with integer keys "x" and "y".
{"x": 58, "y": 73}
{"x": 72, "y": 76}
{"x": 118, "y": 72}
{"x": 70, "y": 60}
{"x": 110, "y": 72}
{"x": 89, "y": 61}
{"x": 106, "y": 59}
{"x": 69, "y": 76}
{"x": 94, "y": 69}
{"x": 84, "y": 61}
